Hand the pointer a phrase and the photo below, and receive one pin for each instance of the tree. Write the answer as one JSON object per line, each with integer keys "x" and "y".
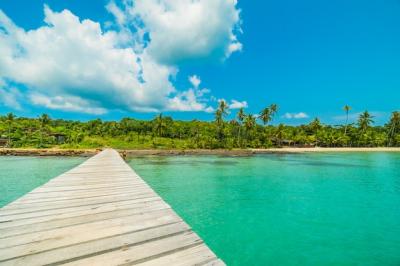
{"x": 274, "y": 109}
{"x": 315, "y": 125}
{"x": 10, "y": 120}
{"x": 244, "y": 131}
{"x": 218, "y": 117}
{"x": 220, "y": 113}
{"x": 241, "y": 115}
{"x": 223, "y": 107}
{"x": 160, "y": 125}
{"x": 280, "y": 133}
{"x": 268, "y": 113}
{"x": 249, "y": 124}
{"x": 365, "y": 121}
{"x": 265, "y": 115}
{"x": 347, "y": 109}
{"x": 44, "y": 120}
{"x": 393, "y": 127}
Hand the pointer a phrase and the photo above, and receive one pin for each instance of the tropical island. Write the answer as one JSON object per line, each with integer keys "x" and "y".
{"x": 245, "y": 131}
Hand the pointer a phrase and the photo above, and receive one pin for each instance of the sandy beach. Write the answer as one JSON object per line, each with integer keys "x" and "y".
{"x": 319, "y": 149}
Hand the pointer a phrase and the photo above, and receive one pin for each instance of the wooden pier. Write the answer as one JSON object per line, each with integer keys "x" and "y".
{"x": 99, "y": 213}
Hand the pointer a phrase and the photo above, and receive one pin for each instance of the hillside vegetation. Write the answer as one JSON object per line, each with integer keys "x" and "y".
{"x": 245, "y": 131}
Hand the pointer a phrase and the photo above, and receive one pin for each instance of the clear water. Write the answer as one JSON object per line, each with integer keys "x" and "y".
{"x": 309, "y": 209}
{"x": 19, "y": 175}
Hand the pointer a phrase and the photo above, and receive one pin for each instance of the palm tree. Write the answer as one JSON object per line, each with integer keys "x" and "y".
{"x": 249, "y": 124}
{"x": 249, "y": 121}
{"x": 365, "y": 121}
{"x": 315, "y": 125}
{"x": 223, "y": 106}
{"x": 10, "y": 120}
{"x": 44, "y": 120}
{"x": 265, "y": 115}
{"x": 394, "y": 126}
{"x": 268, "y": 113}
{"x": 235, "y": 130}
{"x": 347, "y": 109}
{"x": 218, "y": 117}
{"x": 241, "y": 115}
{"x": 280, "y": 133}
{"x": 160, "y": 125}
{"x": 220, "y": 113}
{"x": 274, "y": 109}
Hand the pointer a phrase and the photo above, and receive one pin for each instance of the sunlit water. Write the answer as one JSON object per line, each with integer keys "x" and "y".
{"x": 310, "y": 209}
{"x": 19, "y": 175}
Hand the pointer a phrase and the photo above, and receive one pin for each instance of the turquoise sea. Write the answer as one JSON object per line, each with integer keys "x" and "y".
{"x": 302, "y": 209}
{"x": 299, "y": 209}
{"x": 19, "y": 175}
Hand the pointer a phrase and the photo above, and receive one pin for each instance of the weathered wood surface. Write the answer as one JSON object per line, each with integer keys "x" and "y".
{"x": 99, "y": 213}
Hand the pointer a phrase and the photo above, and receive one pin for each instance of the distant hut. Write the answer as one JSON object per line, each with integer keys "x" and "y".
{"x": 283, "y": 142}
{"x": 59, "y": 137}
{"x": 3, "y": 142}
{"x": 291, "y": 143}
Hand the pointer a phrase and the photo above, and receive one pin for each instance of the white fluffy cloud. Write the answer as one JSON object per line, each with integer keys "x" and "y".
{"x": 234, "y": 104}
{"x": 74, "y": 65}
{"x": 69, "y": 58}
{"x": 192, "y": 99}
{"x": 71, "y": 103}
{"x": 195, "y": 80}
{"x": 300, "y": 115}
{"x": 184, "y": 29}
{"x": 9, "y": 96}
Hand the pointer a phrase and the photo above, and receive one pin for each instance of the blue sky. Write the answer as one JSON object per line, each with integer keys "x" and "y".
{"x": 310, "y": 57}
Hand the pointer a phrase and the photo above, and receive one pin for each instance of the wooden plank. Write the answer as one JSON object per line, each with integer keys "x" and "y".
{"x": 99, "y": 213}
{"x": 144, "y": 252}
{"x": 73, "y": 203}
{"x": 72, "y": 195}
{"x": 52, "y": 195}
{"x": 66, "y": 236}
{"x": 196, "y": 255}
{"x": 66, "y": 201}
{"x": 52, "y": 212}
{"x": 94, "y": 248}
{"x": 85, "y": 218}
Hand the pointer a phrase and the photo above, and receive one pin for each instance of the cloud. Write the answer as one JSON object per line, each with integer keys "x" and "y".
{"x": 119, "y": 15}
{"x": 195, "y": 81}
{"x": 72, "y": 104}
{"x": 186, "y": 101}
{"x": 184, "y": 29}
{"x": 9, "y": 96}
{"x": 234, "y": 104}
{"x": 193, "y": 99}
{"x": 300, "y": 115}
{"x": 74, "y": 65}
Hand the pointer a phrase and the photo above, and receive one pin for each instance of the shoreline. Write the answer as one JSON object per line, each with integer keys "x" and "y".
{"x": 159, "y": 152}
{"x": 48, "y": 152}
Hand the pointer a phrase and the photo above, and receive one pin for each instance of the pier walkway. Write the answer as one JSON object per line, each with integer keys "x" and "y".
{"x": 99, "y": 213}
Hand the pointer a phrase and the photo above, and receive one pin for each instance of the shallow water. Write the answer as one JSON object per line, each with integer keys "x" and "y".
{"x": 19, "y": 174}
{"x": 299, "y": 209}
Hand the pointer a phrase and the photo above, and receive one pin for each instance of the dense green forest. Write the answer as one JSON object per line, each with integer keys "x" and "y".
{"x": 245, "y": 131}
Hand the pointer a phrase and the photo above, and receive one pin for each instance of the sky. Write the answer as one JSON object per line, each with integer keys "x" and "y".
{"x": 136, "y": 58}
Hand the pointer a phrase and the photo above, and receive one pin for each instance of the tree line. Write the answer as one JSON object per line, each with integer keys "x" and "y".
{"x": 244, "y": 131}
